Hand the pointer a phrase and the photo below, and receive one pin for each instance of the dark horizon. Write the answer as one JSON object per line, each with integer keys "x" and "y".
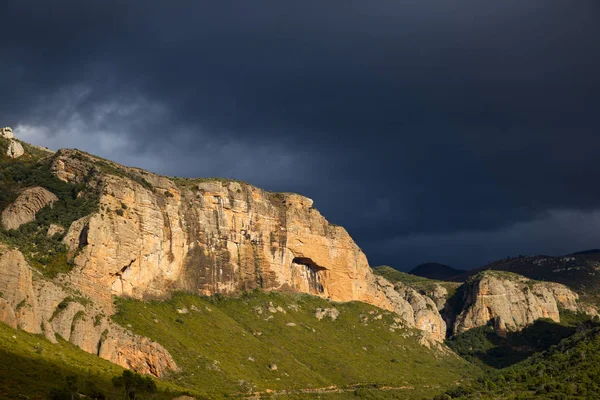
{"x": 456, "y": 132}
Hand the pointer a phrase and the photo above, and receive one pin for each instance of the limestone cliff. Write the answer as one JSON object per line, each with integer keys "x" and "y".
{"x": 511, "y": 301}
{"x": 150, "y": 236}
{"x": 36, "y": 305}
{"x": 153, "y": 235}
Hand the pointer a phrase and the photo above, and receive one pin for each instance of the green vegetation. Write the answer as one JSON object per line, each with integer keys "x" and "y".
{"x": 484, "y": 348}
{"x": 423, "y": 285}
{"x": 569, "y": 370}
{"x": 48, "y": 254}
{"x": 502, "y": 275}
{"x": 226, "y": 345}
{"x": 32, "y": 367}
{"x": 113, "y": 169}
{"x": 188, "y": 182}
{"x": 134, "y": 385}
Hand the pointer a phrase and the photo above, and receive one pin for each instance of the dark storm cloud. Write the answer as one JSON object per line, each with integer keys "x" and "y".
{"x": 417, "y": 125}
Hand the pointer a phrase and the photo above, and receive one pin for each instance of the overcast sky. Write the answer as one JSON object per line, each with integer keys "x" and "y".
{"x": 452, "y": 131}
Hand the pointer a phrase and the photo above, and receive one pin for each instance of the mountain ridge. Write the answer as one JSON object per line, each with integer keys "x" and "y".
{"x": 86, "y": 245}
{"x": 433, "y": 270}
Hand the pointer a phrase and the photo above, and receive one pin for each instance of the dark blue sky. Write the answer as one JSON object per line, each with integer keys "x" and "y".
{"x": 457, "y": 132}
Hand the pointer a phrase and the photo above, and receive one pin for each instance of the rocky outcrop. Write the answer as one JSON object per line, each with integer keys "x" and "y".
{"x": 15, "y": 149}
{"x": 154, "y": 235}
{"x": 17, "y": 290}
{"x": 439, "y": 294}
{"x": 54, "y": 229}
{"x": 7, "y": 133}
{"x": 511, "y": 301}
{"x": 26, "y": 206}
{"x": 43, "y": 307}
{"x": 416, "y": 310}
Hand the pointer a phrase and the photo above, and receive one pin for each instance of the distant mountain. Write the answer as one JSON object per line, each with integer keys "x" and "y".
{"x": 579, "y": 271}
{"x": 436, "y": 271}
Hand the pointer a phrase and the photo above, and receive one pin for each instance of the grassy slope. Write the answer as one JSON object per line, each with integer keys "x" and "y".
{"x": 213, "y": 345}
{"x": 416, "y": 282}
{"x": 569, "y": 370}
{"x": 489, "y": 351}
{"x": 31, "y": 366}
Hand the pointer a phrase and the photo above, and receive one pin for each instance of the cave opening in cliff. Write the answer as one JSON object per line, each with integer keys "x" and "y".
{"x": 313, "y": 273}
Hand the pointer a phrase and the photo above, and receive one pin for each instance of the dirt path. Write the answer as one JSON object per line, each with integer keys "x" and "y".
{"x": 324, "y": 390}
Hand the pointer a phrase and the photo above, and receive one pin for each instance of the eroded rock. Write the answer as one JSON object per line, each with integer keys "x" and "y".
{"x": 7, "y": 133}
{"x": 511, "y": 301}
{"x": 15, "y": 149}
{"x": 153, "y": 236}
{"x": 26, "y": 206}
{"x": 40, "y": 306}
{"x": 55, "y": 229}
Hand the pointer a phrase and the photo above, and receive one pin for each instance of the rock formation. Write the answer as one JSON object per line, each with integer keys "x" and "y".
{"x": 414, "y": 308}
{"x": 439, "y": 295}
{"x": 7, "y": 133}
{"x": 26, "y": 206}
{"x": 54, "y": 229}
{"x": 39, "y": 306}
{"x": 15, "y": 149}
{"x": 511, "y": 301}
{"x": 154, "y": 235}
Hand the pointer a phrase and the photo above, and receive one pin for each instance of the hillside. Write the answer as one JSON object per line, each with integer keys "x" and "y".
{"x": 436, "y": 271}
{"x": 569, "y": 370}
{"x": 313, "y": 343}
{"x": 486, "y": 349}
{"x": 202, "y": 337}
{"x": 218, "y": 288}
{"x": 107, "y": 258}
{"x": 32, "y": 367}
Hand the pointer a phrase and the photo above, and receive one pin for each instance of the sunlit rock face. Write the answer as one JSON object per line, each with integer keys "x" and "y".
{"x": 511, "y": 301}
{"x": 155, "y": 235}
{"x": 40, "y": 306}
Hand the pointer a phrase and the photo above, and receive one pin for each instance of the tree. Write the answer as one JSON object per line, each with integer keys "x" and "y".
{"x": 133, "y": 383}
{"x": 72, "y": 385}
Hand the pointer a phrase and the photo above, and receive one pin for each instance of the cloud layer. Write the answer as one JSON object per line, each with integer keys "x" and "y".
{"x": 428, "y": 129}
